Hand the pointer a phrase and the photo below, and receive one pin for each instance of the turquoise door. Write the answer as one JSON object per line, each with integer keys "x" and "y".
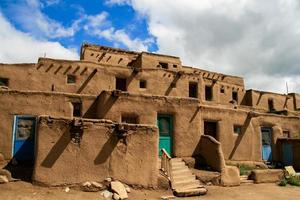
{"x": 287, "y": 154}
{"x": 24, "y": 137}
{"x": 165, "y": 126}
{"x": 266, "y": 140}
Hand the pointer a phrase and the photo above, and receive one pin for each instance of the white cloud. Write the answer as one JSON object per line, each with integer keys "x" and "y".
{"x": 98, "y": 25}
{"x": 255, "y": 39}
{"x": 31, "y": 18}
{"x": 117, "y": 2}
{"x": 18, "y": 47}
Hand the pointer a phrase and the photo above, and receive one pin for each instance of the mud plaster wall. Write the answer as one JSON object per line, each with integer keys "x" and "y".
{"x": 260, "y": 100}
{"x": 33, "y": 103}
{"x": 88, "y": 81}
{"x": 297, "y": 101}
{"x": 189, "y": 117}
{"x": 100, "y": 154}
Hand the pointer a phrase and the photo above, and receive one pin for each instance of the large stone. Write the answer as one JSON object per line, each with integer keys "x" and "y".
{"x": 3, "y": 179}
{"x": 267, "y": 175}
{"x": 119, "y": 188}
{"x": 116, "y": 196}
{"x": 91, "y": 186}
{"x": 230, "y": 176}
{"x": 5, "y": 172}
{"x": 190, "y": 192}
{"x": 106, "y": 194}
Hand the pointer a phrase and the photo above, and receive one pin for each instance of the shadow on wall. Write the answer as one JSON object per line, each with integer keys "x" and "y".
{"x": 91, "y": 112}
{"x": 107, "y": 149}
{"x": 105, "y": 103}
{"x": 240, "y": 136}
{"x": 57, "y": 149}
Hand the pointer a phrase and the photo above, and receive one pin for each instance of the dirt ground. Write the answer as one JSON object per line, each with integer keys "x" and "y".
{"x": 23, "y": 191}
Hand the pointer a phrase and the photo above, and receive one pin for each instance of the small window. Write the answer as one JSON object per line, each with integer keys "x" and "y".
{"x": 222, "y": 90}
{"x": 71, "y": 79}
{"x": 208, "y": 93}
{"x": 210, "y": 128}
{"x": 143, "y": 84}
{"x": 193, "y": 89}
{"x": 163, "y": 65}
{"x": 235, "y": 96}
{"x": 4, "y": 82}
{"x": 286, "y": 134}
{"x": 121, "y": 84}
{"x": 237, "y": 129}
{"x": 174, "y": 66}
{"x": 271, "y": 104}
{"x": 77, "y": 107}
{"x": 129, "y": 119}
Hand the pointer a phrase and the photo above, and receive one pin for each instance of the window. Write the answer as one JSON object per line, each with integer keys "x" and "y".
{"x": 71, "y": 79}
{"x": 174, "y": 66}
{"x": 286, "y": 134}
{"x": 129, "y": 119}
{"x": 121, "y": 84}
{"x": 143, "y": 84}
{"x": 163, "y": 65}
{"x": 222, "y": 90}
{"x": 77, "y": 107}
{"x": 237, "y": 129}
{"x": 4, "y": 82}
{"x": 235, "y": 96}
{"x": 193, "y": 89}
{"x": 210, "y": 128}
{"x": 271, "y": 104}
{"x": 208, "y": 93}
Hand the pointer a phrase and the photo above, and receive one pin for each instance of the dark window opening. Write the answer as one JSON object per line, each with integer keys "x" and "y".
{"x": 71, "y": 79}
{"x": 271, "y": 104}
{"x": 222, "y": 90}
{"x": 163, "y": 65}
{"x": 4, "y": 82}
{"x": 193, "y": 89}
{"x": 235, "y": 96}
{"x": 237, "y": 129}
{"x": 121, "y": 84}
{"x": 208, "y": 93}
{"x": 210, "y": 128}
{"x": 143, "y": 84}
{"x": 129, "y": 119}
{"x": 174, "y": 66}
{"x": 286, "y": 134}
{"x": 77, "y": 107}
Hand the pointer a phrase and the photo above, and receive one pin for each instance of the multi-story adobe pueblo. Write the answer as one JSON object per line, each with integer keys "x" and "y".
{"x": 109, "y": 114}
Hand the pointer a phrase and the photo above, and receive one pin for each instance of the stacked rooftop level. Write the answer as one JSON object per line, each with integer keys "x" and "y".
{"x": 162, "y": 102}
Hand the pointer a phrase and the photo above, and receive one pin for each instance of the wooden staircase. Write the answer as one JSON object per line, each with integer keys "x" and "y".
{"x": 183, "y": 181}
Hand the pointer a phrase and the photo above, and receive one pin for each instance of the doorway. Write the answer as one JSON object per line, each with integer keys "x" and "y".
{"x": 165, "y": 126}
{"x": 266, "y": 141}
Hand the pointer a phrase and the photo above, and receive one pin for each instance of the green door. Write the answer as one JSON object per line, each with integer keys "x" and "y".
{"x": 165, "y": 126}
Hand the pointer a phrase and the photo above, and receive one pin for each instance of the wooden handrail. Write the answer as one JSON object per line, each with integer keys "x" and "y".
{"x": 166, "y": 163}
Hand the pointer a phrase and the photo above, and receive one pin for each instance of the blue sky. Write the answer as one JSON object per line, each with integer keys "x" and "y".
{"x": 256, "y": 39}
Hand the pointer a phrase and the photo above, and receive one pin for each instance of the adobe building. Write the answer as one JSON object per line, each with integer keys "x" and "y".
{"x": 109, "y": 114}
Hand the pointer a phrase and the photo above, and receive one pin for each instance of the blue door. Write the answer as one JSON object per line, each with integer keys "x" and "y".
{"x": 165, "y": 126}
{"x": 266, "y": 140}
{"x": 24, "y": 137}
{"x": 287, "y": 154}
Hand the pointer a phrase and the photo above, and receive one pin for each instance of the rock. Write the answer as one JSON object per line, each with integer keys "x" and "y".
{"x": 1, "y": 158}
{"x": 6, "y": 173}
{"x": 190, "y": 192}
{"x": 91, "y": 186}
{"x": 108, "y": 179}
{"x": 106, "y": 194}
{"x": 67, "y": 189}
{"x": 127, "y": 189}
{"x": 167, "y": 197}
{"x": 116, "y": 196}
{"x": 3, "y": 179}
{"x": 96, "y": 184}
{"x": 119, "y": 188}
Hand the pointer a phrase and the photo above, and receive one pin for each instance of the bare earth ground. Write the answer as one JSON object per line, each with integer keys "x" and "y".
{"x": 24, "y": 191}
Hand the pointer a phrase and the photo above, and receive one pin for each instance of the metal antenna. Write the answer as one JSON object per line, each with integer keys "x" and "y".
{"x": 287, "y": 87}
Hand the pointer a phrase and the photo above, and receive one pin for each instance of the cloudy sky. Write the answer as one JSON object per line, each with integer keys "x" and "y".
{"x": 259, "y": 40}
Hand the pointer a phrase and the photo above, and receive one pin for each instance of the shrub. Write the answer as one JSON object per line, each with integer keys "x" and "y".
{"x": 245, "y": 169}
{"x": 293, "y": 180}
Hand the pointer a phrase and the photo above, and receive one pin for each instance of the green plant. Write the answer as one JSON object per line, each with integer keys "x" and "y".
{"x": 293, "y": 180}
{"x": 283, "y": 182}
{"x": 245, "y": 169}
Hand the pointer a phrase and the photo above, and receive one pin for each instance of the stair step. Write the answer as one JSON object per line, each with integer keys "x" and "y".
{"x": 175, "y": 164}
{"x": 184, "y": 177}
{"x": 247, "y": 181}
{"x": 175, "y": 168}
{"x": 176, "y": 160}
{"x": 186, "y": 185}
{"x": 190, "y": 192}
{"x": 186, "y": 180}
{"x": 180, "y": 171}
